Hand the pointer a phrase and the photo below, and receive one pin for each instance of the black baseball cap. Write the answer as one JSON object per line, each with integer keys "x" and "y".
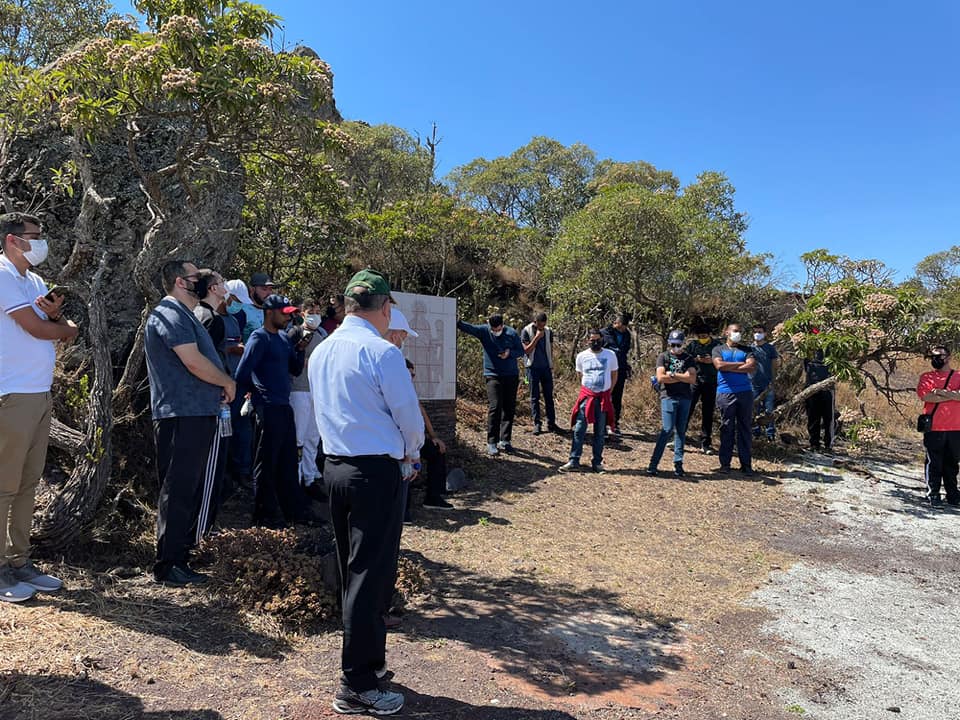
{"x": 261, "y": 278}
{"x": 279, "y": 302}
{"x": 675, "y": 336}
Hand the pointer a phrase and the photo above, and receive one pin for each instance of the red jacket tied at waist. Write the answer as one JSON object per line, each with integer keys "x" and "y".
{"x": 602, "y": 400}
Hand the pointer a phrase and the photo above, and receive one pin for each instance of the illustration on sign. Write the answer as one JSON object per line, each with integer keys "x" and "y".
{"x": 434, "y": 351}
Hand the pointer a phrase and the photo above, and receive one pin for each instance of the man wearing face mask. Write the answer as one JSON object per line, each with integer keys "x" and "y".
{"x": 617, "y": 338}
{"x": 212, "y": 291}
{"x": 734, "y": 362}
{"x": 187, "y": 385}
{"x": 501, "y": 349}
{"x": 764, "y": 374}
{"x": 940, "y": 391}
{"x": 30, "y": 324}
{"x": 705, "y": 388}
{"x": 676, "y": 373}
{"x": 269, "y": 360}
{"x": 301, "y": 400}
{"x": 597, "y": 367}
{"x": 820, "y": 405}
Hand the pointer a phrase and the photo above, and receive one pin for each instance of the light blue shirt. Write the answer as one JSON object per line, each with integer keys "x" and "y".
{"x": 363, "y": 395}
{"x": 254, "y": 320}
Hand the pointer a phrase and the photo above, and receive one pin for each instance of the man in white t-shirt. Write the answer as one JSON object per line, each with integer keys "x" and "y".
{"x": 598, "y": 368}
{"x": 31, "y": 322}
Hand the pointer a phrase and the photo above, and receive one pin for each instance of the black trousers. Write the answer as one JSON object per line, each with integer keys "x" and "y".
{"x": 367, "y": 514}
{"x": 541, "y": 379}
{"x": 183, "y": 450}
{"x": 942, "y": 463}
{"x": 501, "y": 407}
{"x": 706, "y": 393}
{"x": 617, "y": 396}
{"x": 276, "y": 479}
{"x": 736, "y": 421}
{"x": 820, "y": 415}
{"x": 436, "y": 470}
{"x": 213, "y": 492}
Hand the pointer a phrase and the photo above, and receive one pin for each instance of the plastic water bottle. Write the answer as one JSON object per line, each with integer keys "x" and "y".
{"x": 226, "y": 422}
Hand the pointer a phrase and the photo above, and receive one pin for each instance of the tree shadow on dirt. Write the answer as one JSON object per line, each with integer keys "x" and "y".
{"x": 438, "y": 707}
{"x": 555, "y": 637}
{"x": 815, "y": 477}
{"x": 187, "y": 618}
{"x": 56, "y": 697}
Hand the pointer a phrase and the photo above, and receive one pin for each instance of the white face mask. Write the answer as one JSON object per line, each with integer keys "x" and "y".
{"x": 497, "y": 333}
{"x": 37, "y": 252}
{"x": 759, "y": 336}
{"x": 313, "y": 321}
{"x": 735, "y": 336}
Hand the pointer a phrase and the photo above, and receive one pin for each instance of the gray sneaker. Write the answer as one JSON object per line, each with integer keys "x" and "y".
{"x": 375, "y": 702}
{"x": 30, "y": 575}
{"x": 11, "y": 589}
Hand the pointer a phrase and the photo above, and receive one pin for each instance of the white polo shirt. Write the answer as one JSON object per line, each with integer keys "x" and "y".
{"x": 26, "y": 364}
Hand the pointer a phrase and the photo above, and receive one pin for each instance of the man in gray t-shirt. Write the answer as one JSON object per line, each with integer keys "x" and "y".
{"x": 187, "y": 384}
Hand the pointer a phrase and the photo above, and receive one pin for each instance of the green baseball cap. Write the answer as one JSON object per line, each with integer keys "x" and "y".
{"x": 371, "y": 280}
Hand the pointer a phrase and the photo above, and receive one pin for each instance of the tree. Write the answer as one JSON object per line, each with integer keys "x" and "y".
{"x": 609, "y": 173}
{"x": 939, "y": 275}
{"x": 387, "y": 164}
{"x": 536, "y": 186}
{"x": 34, "y": 32}
{"x": 824, "y": 268}
{"x": 664, "y": 257}
{"x": 169, "y": 112}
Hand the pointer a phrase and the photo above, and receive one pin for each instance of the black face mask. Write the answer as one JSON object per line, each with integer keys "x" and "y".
{"x": 596, "y": 345}
{"x": 200, "y": 287}
{"x": 938, "y": 362}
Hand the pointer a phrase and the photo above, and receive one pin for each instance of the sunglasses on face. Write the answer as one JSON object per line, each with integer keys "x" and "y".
{"x": 676, "y": 345}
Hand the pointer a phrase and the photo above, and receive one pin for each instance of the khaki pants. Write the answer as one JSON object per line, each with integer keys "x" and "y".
{"x": 24, "y": 434}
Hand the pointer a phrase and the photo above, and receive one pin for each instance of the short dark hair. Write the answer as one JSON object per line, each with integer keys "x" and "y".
{"x": 945, "y": 348}
{"x": 14, "y": 224}
{"x": 540, "y": 317}
{"x": 594, "y": 331}
{"x": 623, "y": 318}
{"x": 360, "y": 300}
{"x": 170, "y": 271}
{"x": 759, "y": 326}
{"x": 496, "y": 320}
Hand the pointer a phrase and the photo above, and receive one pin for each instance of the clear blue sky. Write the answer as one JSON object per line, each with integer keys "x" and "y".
{"x": 838, "y": 122}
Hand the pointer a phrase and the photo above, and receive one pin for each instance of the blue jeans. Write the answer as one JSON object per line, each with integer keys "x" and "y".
{"x": 766, "y": 405}
{"x": 541, "y": 378}
{"x": 674, "y": 413}
{"x": 580, "y": 434}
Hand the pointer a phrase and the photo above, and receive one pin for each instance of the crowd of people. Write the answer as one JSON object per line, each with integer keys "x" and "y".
{"x": 293, "y": 401}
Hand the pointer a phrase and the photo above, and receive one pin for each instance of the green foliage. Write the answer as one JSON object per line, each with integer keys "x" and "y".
{"x": 609, "y": 173}
{"x": 664, "y": 256}
{"x": 78, "y": 395}
{"x": 939, "y": 275}
{"x": 824, "y": 268}
{"x": 865, "y": 329}
{"x": 33, "y": 32}
{"x": 430, "y": 243}
{"x": 387, "y": 165}
{"x": 536, "y": 186}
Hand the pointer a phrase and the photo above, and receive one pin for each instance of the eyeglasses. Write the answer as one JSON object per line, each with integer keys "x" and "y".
{"x": 676, "y": 344}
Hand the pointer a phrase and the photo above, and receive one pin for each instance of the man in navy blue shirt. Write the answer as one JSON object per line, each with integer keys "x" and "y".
{"x": 734, "y": 362}
{"x": 501, "y": 349}
{"x": 617, "y": 337}
{"x": 765, "y": 372}
{"x": 269, "y": 359}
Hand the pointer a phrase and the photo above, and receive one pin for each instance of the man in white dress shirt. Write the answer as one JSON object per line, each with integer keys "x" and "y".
{"x": 369, "y": 418}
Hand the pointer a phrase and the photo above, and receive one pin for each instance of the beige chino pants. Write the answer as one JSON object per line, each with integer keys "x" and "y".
{"x": 24, "y": 435}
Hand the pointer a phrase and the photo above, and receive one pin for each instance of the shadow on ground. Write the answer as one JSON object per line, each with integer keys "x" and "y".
{"x": 186, "y": 618}
{"x": 554, "y": 637}
{"x": 76, "y": 698}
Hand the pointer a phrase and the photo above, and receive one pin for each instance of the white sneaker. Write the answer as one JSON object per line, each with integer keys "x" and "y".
{"x": 569, "y": 466}
{"x": 492, "y": 449}
{"x": 11, "y": 589}
{"x": 375, "y": 702}
{"x": 30, "y": 575}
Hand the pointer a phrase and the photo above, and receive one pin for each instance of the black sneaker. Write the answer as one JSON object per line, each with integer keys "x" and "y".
{"x": 652, "y": 472}
{"x": 180, "y": 575}
{"x": 554, "y": 428}
{"x": 954, "y": 501}
{"x": 749, "y": 472}
{"x": 936, "y": 501}
{"x": 722, "y": 469}
{"x": 598, "y": 468}
{"x": 537, "y": 429}
{"x": 706, "y": 449}
{"x": 678, "y": 469}
{"x": 437, "y": 504}
{"x": 375, "y": 702}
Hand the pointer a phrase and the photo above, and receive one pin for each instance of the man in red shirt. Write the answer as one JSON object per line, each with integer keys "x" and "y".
{"x": 940, "y": 391}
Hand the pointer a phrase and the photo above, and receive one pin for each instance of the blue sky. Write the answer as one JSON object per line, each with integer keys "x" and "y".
{"x": 838, "y": 122}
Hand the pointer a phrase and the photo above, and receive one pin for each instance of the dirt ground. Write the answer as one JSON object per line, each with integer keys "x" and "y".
{"x": 559, "y": 596}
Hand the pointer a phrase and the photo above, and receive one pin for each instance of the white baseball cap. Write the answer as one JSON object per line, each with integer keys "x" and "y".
{"x": 238, "y": 288}
{"x": 398, "y": 321}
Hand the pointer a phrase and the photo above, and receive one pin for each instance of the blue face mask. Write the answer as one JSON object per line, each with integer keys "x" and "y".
{"x": 234, "y": 307}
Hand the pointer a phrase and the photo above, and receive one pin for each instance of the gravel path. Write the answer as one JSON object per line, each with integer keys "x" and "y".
{"x": 873, "y": 607}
